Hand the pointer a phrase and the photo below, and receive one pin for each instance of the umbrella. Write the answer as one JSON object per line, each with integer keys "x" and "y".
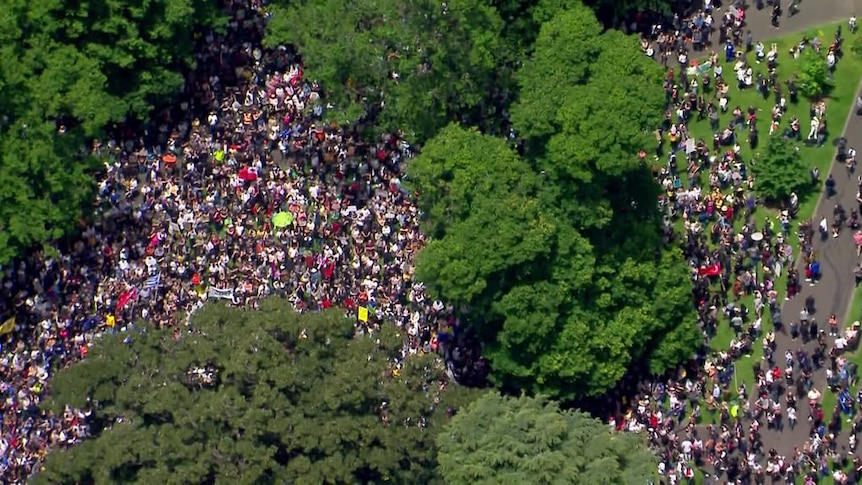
{"x": 757, "y": 236}
{"x": 282, "y": 219}
{"x": 170, "y": 159}
{"x": 247, "y": 175}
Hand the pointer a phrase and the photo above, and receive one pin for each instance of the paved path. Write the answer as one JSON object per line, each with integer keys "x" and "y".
{"x": 811, "y": 14}
{"x": 834, "y": 292}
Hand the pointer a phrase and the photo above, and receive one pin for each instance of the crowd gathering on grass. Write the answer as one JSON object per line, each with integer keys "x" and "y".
{"x": 244, "y": 190}
{"x": 744, "y": 249}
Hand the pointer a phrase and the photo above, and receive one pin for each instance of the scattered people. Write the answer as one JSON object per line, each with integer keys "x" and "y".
{"x": 708, "y": 185}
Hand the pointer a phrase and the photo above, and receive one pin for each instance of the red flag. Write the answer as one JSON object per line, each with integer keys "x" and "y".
{"x": 126, "y": 298}
{"x": 711, "y": 270}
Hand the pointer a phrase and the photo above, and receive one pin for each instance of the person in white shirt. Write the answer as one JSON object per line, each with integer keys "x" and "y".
{"x": 815, "y": 123}
{"x": 840, "y": 343}
{"x": 759, "y": 52}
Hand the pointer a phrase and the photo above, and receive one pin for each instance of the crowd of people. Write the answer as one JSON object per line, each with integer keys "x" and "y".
{"x": 709, "y": 187}
{"x": 238, "y": 192}
{"x": 241, "y": 191}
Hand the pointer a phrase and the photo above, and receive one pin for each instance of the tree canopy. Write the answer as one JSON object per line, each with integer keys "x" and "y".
{"x": 81, "y": 66}
{"x": 813, "y": 75}
{"x": 424, "y": 62}
{"x": 780, "y": 170}
{"x": 499, "y": 440}
{"x": 617, "y": 10}
{"x": 265, "y": 396}
{"x": 569, "y": 287}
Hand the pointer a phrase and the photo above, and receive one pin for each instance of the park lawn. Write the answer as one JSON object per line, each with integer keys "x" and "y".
{"x": 840, "y": 100}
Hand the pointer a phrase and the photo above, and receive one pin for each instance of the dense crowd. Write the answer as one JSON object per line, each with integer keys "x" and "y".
{"x": 709, "y": 187}
{"x": 237, "y": 193}
{"x": 240, "y": 191}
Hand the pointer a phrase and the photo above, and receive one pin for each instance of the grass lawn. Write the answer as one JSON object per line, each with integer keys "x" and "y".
{"x": 840, "y": 101}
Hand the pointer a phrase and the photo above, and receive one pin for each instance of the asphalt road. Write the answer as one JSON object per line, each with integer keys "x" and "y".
{"x": 834, "y": 292}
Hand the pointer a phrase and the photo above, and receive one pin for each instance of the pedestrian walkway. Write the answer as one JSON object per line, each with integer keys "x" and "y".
{"x": 812, "y": 13}
{"x": 832, "y": 294}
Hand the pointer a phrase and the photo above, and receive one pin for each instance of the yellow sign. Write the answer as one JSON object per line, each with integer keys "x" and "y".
{"x": 363, "y": 314}
{"x": 8, "y": 326}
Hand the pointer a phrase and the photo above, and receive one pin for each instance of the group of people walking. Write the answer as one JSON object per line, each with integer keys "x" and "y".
{"x": 706, "y": 420}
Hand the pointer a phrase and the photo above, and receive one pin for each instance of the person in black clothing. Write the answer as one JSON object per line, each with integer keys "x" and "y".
{"x": 830, "y": 186}
{"x": 805, "y": 331}
{"x": 793, "y": 9}
{"x": 809, "y": 305}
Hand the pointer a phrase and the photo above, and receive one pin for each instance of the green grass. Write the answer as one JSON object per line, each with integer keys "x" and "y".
{"x": 840, "y": 101}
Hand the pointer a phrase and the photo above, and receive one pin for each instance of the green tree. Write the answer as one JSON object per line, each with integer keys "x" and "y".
{"x": 423, "y": 62}
{"x": 499, "y": 440}
{"x": 43, "y": 191}
{"x": 82, "y": 65}
{"x": 814, "y": 81}
{"x": 293, "y": 399}
{"x": 780, "y": 170}
{"x": 616, "y": 11}
{"x": 562, "y": 310}
{"x": 97, "y": 62}
{"x": 567, "y": 286}
{"x": 567, "y": 45}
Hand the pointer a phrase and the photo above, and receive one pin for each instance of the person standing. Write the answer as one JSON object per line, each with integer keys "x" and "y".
{"x": 815, "y": 272}
{"x": 833, "y": 325}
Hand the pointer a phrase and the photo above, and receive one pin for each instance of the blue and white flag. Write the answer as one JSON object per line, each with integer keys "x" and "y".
{"x": 221, "y": 293}
{"x": 153, "y": 282}
{"x": 845, "y": 401}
